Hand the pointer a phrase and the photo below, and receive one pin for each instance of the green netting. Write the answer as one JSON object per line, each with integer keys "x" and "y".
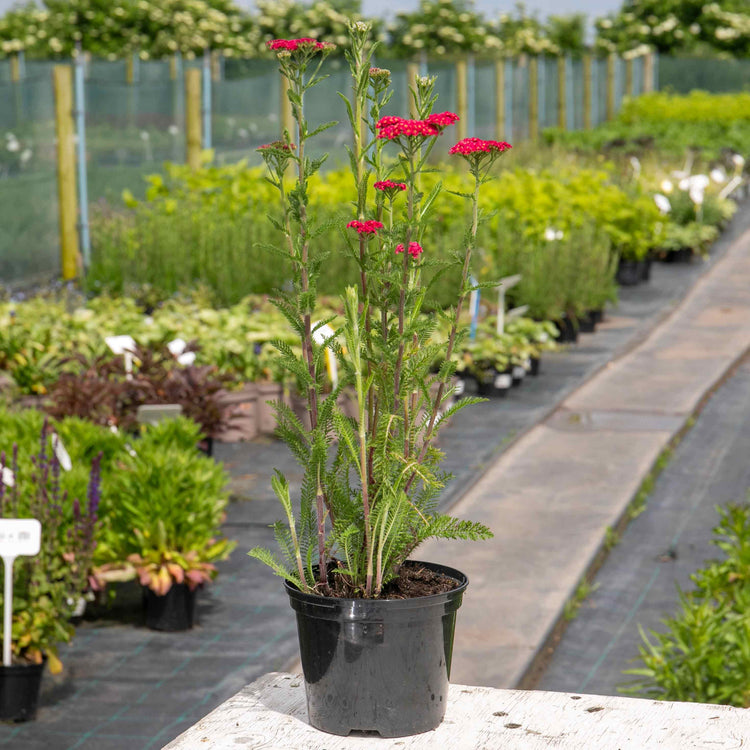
{"x": 29, "y": 249}
{"x": 684, "y": 74}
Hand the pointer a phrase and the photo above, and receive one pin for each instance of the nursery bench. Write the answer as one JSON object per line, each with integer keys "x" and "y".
{"x": 271, "y": 714}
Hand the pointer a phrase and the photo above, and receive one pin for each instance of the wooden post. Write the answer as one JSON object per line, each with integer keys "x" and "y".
{"x": 629, "y": 77}
{"x": 500, "y": 134}
{"x": 561, "y": 94}
{"x": 173, "y": 68}
{"x": 129, "y": 69}
{"x": 67, "y": 191}
{"x": 611, "y": 58}
{"x": 193, "y": 117}
{"x": 533, "y": 98}
{"x": 287, "y": 117}
{"x": 587, "y": 92}
{"x": 216, "y": 65}
{"x": 462, "y": 99}
{"x": 412, "y": 71}
{"x": 15, "y": 68}
{"x": 648, "y": 72}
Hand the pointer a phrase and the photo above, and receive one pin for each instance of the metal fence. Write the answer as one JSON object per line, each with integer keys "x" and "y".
{"x": 135, "y": 120}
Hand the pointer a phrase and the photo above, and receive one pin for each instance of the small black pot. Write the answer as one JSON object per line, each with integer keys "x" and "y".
{"x": 19, "y": 691}
{"x": 646, "y": 268}
{"x": 535, "y": 365}
{"x": 517, "y": 374}
{"x": 597, "y": 316}
{"x": 683, "y": 255}
{"x": 629, "y": 272}
{"x": 172, "y": 611}
{"x": 496, "y": 384}
{"x": 586, "y": 323}
{"x": 568, "y": 330}
{"x": 377, "y": 664}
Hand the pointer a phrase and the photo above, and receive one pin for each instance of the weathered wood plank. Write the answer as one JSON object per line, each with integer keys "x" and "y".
{"x": 270, "y": 714}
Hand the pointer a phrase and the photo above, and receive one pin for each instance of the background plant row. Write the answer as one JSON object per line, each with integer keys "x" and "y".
{"x": 156, "y": 29}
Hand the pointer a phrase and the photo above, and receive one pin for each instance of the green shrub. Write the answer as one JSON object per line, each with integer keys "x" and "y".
{"x": 704, "y": 654}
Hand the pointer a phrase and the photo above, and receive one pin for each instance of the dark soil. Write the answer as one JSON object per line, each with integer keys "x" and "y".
{"x": 413, "y": 581}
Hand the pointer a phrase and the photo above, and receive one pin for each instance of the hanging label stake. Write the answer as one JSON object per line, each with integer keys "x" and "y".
{"x": 124, "y": 345}
{"x": 18, "y": 536}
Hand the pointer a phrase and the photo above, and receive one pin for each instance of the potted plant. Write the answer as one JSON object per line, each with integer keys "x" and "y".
{"x": 162, "y": 521}
{"x": 48, "y": 586}
{"x": 367, "y": 614}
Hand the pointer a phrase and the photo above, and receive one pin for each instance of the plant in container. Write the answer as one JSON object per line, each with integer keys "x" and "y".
{"x": 163, "y": 515}
{"x": 48, "y": 586}
{"x": 367, "y": 615}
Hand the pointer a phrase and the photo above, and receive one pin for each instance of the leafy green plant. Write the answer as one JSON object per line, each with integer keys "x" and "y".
{"x": 47, "y": 586}
{"x": 704, "y": 653}
{"x": 164, "y": 510}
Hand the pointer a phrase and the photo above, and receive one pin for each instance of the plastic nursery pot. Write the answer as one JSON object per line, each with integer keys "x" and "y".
{"x": 682, "y": 255}
{"x": 535, "y": 364}
{"x": 568, "y": 331}
{"x": 170, "y": 612}
{"x": 19, "y": 691}
{"x": 586, "y": 324}
{"x": 496, "y": 384}
{"x": 597, "y": 316}
{"x": 517, "y": 374}
{"x": 377, "y": 664}
{"x": 646, "y": 268}
{"x": 630, "y": 272}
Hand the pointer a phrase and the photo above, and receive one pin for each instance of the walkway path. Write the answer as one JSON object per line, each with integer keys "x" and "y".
{"x": 552, "y": 496}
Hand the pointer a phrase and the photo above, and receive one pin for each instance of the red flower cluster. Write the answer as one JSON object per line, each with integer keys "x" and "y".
{"x": 388, "y": 185}
{"x": 392, "y": 127}
{"x": 365, "y": 227}
{"x": 294, "y": 44}
{"x": 276, "y": 146}
{"x": 470, "y": 146}
{"x": 415, "y": 249}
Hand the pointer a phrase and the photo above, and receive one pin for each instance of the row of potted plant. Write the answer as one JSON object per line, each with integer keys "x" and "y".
{"x": 113, "y": 507}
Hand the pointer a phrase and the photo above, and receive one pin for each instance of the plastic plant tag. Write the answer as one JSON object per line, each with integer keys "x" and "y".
{"x": 321, "y": 334}
{"x": 460, "y": 387}
{"x": 7, "y": 477}
{"x": 518, "y": 372}
{"x": 18, "y": 536}
{"x": 124, "y": 345}
{"x": 186, "y": 359}
{"x": 62, "y": 455}
{"x": 176, "y": 347}
{"x": 503, "y": 380}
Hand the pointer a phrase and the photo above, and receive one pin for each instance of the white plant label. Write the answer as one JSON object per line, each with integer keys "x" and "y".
{"x": 503, "y": 380}
{"x": 459, "y": 388}
{"x": 18, "y": 536}
{"x": 321, "y": 334}
{"x": 518, "y": 372}
{"x": 124, "y": 345}
{"x": 176, "y": 347}
{"x": 7, "y": 477}
{"x": 62, "y": 455}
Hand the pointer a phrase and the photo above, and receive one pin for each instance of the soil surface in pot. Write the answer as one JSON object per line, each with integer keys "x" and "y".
{"x": 413, "y": 581}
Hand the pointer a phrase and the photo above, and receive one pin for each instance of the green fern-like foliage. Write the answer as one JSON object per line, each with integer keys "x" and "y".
{"x": 370, "y": 480}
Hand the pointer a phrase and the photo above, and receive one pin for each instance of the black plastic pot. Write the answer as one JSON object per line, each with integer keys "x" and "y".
{"x": 495, "y": 384}
{"x": 377, "y": 665}
{"x": 646, "y": 268}
{"x": 19, "y": 691}
{"x": 682, "y": 255}
{"x": 597, "y": 316}
{"x": 536, "y": 363}
{"x": 568, "y": 330}
{"x": 517, "y": 373}
{"x": 586, "y": 323}
{"x": 630, "y": 272}
{"x": 172, "y": 611}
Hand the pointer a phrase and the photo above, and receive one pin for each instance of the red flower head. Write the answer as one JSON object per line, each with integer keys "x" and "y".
{"x": 476, "y": 146}
{"x": 391, "y": 127}
{"x": 443, "y": 119}
{"x": 276, "y": 146}
{"x": 365, "y": 227}
{"x": 292, "y": 45}
{"x": 415, "y": 249}
{"x": 390, "y": 188}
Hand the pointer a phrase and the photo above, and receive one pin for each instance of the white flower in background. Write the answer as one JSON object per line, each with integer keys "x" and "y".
{"x": 186, "y": 359}
{"x": 242, "y": 133}
{"x": 738, "y": 161}
{"x": 699, "y": 182}
{"x": 636, "y": 164}
{"x": 12, "y": 145}
{"x": 696, "y": 194}
{"x": 173, "y": 130}
{"x": 717, "y": 175}
{"x": 144, "y": 135}
{"x": 667, "y": 186}
{"x": 551, "y": 234}
{"x": 684, "y": 183}
{"x": 26, "y": 155}
{"x": 662, "y": 203}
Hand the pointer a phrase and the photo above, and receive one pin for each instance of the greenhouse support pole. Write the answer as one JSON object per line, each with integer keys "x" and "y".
{"x": 462, "y": 99}
{"x": 500, "y": 100}
{"x": 541, "y": 77}
{"x": 508, "y": 100}
{"x": 66, "y": 170}
{"x": 629, "y": 77}
{"x": 83, "y": 189}
{"x": 412, "y": 71}
{"x": 570, "y": 101}
{"x": 648, "y": 72}
{"x": 562, "y": 93}
{"x": 15, "y": 67}
{"x": 287, "y": 118}
{"x": 587, "y": 101}
{"x": 193, "y": 117}
{"x": 611, "y": 60}
{"x": 206, "y": 93}
{"x": 533, "y": 98}
{"x": 471, "y": 104}
{"x": 655, "y": 65}
{"x": 16, "y": 77}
